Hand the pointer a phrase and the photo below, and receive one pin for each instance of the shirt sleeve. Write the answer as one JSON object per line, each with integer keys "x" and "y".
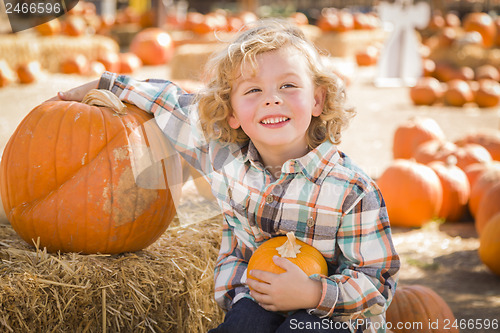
{"x": 365, "y": 281}
{"x": 230, "y": 270}
{"x": 174, "y": 112}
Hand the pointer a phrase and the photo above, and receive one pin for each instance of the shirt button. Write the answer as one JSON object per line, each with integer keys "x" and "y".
{"x": 310, "y": 222}
{"x": 269, "y": 198}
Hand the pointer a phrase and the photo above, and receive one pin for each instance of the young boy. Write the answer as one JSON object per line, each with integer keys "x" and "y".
{"x": 271, "y": 116}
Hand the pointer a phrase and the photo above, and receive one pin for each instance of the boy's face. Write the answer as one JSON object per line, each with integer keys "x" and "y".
{"x": 273, "y": 104}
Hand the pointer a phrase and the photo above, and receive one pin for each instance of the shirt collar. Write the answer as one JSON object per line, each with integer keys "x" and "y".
{"x": 315, "y": 165}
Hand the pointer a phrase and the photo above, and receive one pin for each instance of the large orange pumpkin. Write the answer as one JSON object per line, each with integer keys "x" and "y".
{"x": 412, "y": 133}
{"x": 67, "y": 179}
{"x": 489, "y": 244}
{"x": 412, "y": 193}
{"x": 415, "y": 307}
{"x": 153, "y": 46}
{"x": 309, "y": 259}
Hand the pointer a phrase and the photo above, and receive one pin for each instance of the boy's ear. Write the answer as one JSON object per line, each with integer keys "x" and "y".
{"x": 233, "y": 122}
{"x": 319, "y": 101}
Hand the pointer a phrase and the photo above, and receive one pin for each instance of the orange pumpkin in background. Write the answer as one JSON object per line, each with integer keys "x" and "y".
{"x": 129, "y": 62}
{"x": 488, "y": 207}
{"x": 110, "y": 60}
{"x": 482, "y": 23}
{"x": 411, "y": 133}
{"x": 367, "y": 56}
{"x": 487, "y": 94}
{"x": 489, "y": 244}
{"x": 458, "y": 93}
{"x": 49, "y": 28}
{"x": 154, "y": 46}
{"x": 419, "y": 305}
{"x": 456, "y": 189}
{"x": 487, "y": 179}
{"x": 309, "y": 259}
{"x": 488, "y": 138}
{"x": 75, "y": 64}
{"x": 29, "y": 72}
{"x": 426, "y": 91}
{"x": 412, "y": 191}
{"x": 68, "y": 182}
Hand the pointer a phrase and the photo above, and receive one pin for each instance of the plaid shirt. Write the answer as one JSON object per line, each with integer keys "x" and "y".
{"x": 323, "y": 197}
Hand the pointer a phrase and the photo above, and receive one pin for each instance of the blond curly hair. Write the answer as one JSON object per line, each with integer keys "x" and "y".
{"x": 263, "y": 36}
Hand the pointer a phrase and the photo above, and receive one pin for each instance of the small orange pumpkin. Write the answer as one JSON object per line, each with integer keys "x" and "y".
{"x": 489, "y": 244}
{"x": 419, "y": 305}
{"x": 426, "y": 91}
{"x": 487, "y": 94}
{"x": 154, "y": 46}
{"x": 309, "y": 259}
{"x": 68, "y": 179}
{"x": 412, "y": 192}
{"x": 458, "y": 93}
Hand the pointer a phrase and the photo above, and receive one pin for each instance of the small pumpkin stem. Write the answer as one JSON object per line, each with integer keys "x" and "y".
{"x": 290, "y": 248}
{"x": 103, "y": 97}
{"x": 451, "y": 160}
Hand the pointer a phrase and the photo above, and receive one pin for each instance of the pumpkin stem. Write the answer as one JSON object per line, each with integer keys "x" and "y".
{"x": 451, "y": 160}
{"x": 103, "y": 97}
{"x": 290, "y": 248}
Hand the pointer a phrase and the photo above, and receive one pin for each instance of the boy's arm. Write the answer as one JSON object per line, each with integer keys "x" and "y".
{"x": 365, "y": 281}
{"x": 230, "y": 271}
{"x": 173, "y": 109}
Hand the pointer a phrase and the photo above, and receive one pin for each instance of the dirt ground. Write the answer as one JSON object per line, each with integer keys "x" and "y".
{"x": 443, "y": 257}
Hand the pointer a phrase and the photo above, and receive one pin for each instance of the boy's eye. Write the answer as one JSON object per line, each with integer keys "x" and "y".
{"x": 252, "y": 91}
{"x": 288, "y": 85}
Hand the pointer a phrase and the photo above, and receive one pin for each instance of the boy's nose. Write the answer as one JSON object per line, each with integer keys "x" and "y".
{"x": 273, "y": 100}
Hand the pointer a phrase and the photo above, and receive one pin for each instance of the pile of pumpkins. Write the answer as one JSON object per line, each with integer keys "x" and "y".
{"x": 82, "y": 20}
{"x": 74, "y": 63}
{"x": 432, "y": 177}
{"x": 449, "y": 82}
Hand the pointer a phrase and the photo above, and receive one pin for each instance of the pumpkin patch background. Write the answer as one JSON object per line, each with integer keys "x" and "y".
{"x": 441, "y": 256}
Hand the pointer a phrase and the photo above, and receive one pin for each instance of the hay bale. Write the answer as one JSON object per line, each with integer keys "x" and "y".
{"x": 189, "y": 60}
{"x": 348, "y": 43}
{"x": 168, "y": 287}
{"x": 470, "y": 55}
{"x": 52, "y": 50}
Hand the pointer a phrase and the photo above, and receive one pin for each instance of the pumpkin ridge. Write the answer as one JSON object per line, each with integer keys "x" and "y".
{"x": 57, "y": 222}
{"x": 6, "y": 167}
{"x": 45, "y": 114}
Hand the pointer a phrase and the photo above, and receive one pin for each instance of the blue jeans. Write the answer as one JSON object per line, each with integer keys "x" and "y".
{"x": 246, "y": 316}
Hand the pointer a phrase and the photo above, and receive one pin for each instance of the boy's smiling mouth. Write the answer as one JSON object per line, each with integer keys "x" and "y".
{"x": 274, "y": 120}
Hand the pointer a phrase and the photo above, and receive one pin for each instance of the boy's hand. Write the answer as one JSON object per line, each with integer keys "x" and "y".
{"x": 291, "y": 290}
{"x": 77, "y": 93}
